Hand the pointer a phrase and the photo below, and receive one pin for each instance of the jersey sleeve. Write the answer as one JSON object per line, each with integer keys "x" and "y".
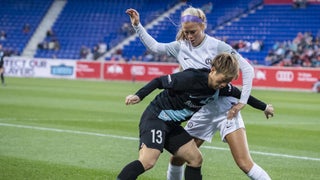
{"x": 246, "y": 69}
{"x": 235, "y": 92}
{"x": 153, "y": 45}
{"x": 178, "y": 81}
{"x": 149, "y": 88}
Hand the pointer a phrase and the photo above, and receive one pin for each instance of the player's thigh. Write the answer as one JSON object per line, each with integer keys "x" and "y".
{"x": 153, "y": 131}
{"x": 176, "y": 138}
{"x": 227, "y": 126}
{"x": 148, "y": 156}
{"x": 190, "y": 153}
{"x": 238, "y": 144}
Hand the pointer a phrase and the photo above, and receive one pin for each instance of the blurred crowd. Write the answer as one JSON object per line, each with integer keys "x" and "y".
{"x": 51, "y": 42}
{"x": 146, "y": 57}
{"x": 302, "y": 51}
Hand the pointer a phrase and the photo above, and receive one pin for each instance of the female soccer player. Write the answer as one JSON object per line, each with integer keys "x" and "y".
{"x": 193, "y": 48}
{"x": 184, "y": 93}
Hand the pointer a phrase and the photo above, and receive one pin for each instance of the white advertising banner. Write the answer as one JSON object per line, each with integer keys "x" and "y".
{"x": 32, "y": 67}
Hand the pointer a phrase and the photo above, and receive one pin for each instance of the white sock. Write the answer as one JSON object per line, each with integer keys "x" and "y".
{"x": 257, "y": 173}
{"x": 174, "y": 172}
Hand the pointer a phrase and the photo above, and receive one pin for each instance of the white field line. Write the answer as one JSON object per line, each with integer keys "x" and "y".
{"x": 136, "y": 139}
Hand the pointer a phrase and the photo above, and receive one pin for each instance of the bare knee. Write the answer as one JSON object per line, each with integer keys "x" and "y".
{"x": 148, "y": 157}
{"x": 195, "y": 160}
{"x": 148, "y": 164}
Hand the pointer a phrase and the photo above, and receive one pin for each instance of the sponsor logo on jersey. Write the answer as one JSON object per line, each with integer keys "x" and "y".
{"x": 191, "y": 105}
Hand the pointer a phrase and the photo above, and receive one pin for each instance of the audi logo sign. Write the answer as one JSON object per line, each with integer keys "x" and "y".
{"x": 284, "y": 76}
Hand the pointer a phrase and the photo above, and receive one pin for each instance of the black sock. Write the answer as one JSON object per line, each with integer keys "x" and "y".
{"x": 192, "y": 173}
{"x": 131, "y": 171}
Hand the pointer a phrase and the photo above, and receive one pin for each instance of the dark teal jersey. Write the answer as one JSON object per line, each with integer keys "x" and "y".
{"x": 184, "y": 93}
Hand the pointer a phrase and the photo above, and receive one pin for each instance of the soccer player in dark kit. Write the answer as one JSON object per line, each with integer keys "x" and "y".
{"x": 184, "y": 93}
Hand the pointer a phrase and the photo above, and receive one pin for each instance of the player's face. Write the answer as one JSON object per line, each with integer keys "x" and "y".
{"x": 217, "y": 81}
{"x": 193, "y": 32}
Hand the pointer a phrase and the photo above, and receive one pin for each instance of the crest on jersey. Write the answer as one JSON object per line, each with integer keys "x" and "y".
{"x": 190, "y": 124}
{"x": 208, "y": 61}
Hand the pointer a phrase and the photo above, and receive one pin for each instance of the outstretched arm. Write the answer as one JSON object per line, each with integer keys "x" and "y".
{"x": 143, "y": 92}
{"x": 266, "y": 108}
{"x": 247, "y": 75}
{"x": 148, "y": 41}
{"x": 252, "y": 101}
{"x": 177, "y": 81}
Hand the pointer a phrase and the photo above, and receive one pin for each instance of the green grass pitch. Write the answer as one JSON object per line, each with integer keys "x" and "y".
{"x": 79, "y": 129}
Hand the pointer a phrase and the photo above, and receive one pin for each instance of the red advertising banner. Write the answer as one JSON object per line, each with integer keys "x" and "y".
{"x": 137, "y": 71}
{"x": 284, "y": 77}
{"x": 265, "y": 77}
{"x": 88, "y": 69}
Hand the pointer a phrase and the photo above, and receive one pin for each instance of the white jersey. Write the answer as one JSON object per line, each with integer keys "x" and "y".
{"x": 213, "y": 116}
{"x": 200, "y": 56}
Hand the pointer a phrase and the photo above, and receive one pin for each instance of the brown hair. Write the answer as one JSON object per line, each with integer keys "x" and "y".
{"x": 194, "y": 12}
{"x": 226, "y": 64}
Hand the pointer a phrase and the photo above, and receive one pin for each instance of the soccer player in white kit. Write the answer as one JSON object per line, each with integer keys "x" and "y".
{"x": 193, "y": 48}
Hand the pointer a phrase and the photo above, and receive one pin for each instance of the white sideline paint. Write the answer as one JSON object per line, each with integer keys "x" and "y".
{"x": 136, "y": 139}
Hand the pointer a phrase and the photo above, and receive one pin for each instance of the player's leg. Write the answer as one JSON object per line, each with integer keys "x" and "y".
{"x": 238, "y": 144}
{"x": 182, "y": 146}
{"x": 147, "y": 159}
{"x": 202, "y": 126}
{"x": 152, "y": 139}
{"x": 176, "y": 168}
{"x": 197, "y": 130}
{"x": 192, "y": 155}
{"x": 239, "y": 149}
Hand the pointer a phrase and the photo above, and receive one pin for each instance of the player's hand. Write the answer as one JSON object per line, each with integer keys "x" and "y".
{"x": 269, "y": 111}
{"x": 134, "y": 16}
{"x": 234, "y": 110}
{"x": 132, "y": 99}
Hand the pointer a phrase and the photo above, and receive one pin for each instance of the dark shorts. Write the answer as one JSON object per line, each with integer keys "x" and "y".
{"x": 158, "y": 134}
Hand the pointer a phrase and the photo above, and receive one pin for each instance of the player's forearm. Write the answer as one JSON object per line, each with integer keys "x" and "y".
{"x": 235, "y": 92}
{"x": 148, "y": 88}
{"x": 256, "y": 103}
{"x": 148, "y": 41}
{"x": 247, "y": 77}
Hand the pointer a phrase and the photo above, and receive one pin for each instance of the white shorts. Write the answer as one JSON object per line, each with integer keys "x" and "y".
{"x": 212, "y": 118}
